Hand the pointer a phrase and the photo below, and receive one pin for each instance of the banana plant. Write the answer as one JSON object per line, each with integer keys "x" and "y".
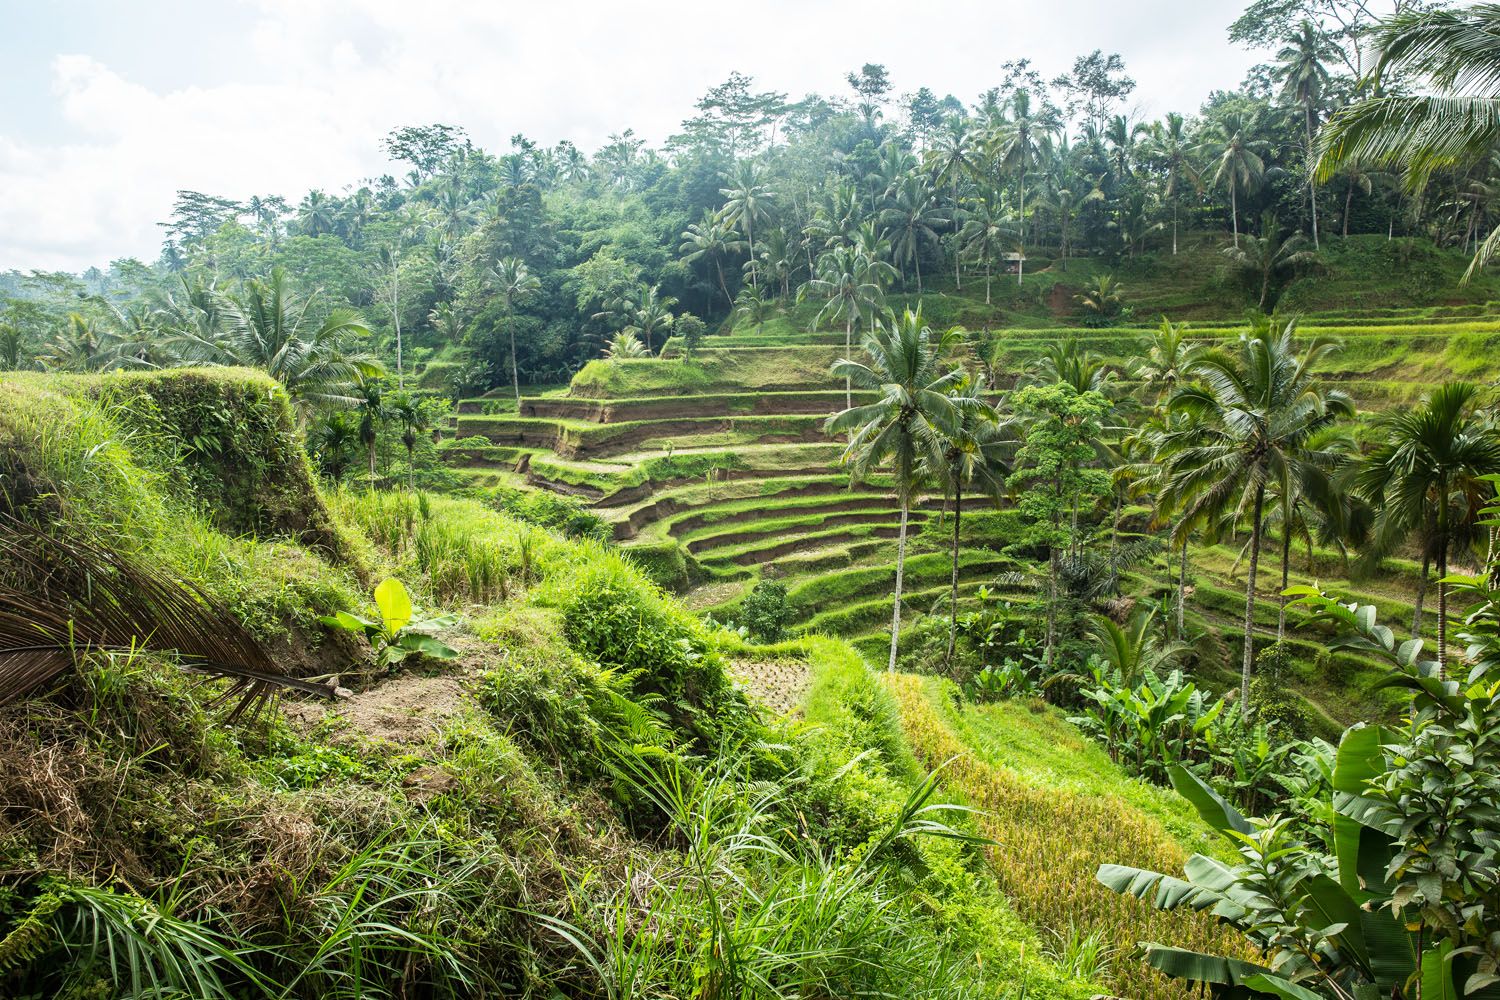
{"x": 397, "y": 632}
{"x": 1405, "y": 904}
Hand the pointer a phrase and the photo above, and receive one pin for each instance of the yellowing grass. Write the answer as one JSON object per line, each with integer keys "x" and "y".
{"x": 1051, "y": 840}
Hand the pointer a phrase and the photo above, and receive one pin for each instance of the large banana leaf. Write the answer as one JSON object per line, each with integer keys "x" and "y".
{"x": 1229, "y": 977}
{"x": 1362, "y": 848}
{"x": 1216, "y": 812}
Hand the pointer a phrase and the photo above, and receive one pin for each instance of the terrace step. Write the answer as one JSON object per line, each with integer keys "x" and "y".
{"x": 792, "y": 523}
{"x": 611, "y": 411}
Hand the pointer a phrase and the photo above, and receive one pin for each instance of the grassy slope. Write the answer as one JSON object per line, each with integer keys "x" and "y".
{"x": 485, "y": 777}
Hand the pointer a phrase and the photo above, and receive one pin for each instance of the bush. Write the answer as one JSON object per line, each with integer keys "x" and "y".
{"x": 764, "y": 612}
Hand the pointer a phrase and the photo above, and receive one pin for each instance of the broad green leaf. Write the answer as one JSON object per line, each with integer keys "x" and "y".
{"x": 1437, "y": 973}
{"x": 415, "y": 642}
{"x": 1196, "y": 967}
{"x": 1267, "y": 983}
{"x": 1216, "y": 812}
{"x": 394, "y": 605}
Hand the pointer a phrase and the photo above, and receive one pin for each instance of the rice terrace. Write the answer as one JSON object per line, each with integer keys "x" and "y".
{"x": 1040, "y": 542}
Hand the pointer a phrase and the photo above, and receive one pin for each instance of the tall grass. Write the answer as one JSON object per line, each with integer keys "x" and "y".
{"x": 1050, "y": 840}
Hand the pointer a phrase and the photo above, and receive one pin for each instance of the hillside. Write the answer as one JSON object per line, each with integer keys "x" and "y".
{"x": 713, "y": 472}
{"x": 593, "y": 757}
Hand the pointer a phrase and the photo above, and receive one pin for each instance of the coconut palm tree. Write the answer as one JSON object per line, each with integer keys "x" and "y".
{"x": 1423, "y": 479}
{"x": 513, "y": 280}
{"x": 1168, "y": 149}
{"x": 713, "y": 239}
{"x": 747, "y": 203}
{"x": 907, "y": 425}
{"x": 1304, "y": 78}
{"x": 974, "y": 459}
{"x": 912, "y": 220}
{"x": 843, "y": 279}
{"x": 406, "y": 410}
{"x": 1458, "y": 52}
{"x": 1239, "y": 163}
{"x": 653, "y": 314}
{"x": 331, "y": 441}
{"x": 954, "y": 158}
{"x": 1102, "y": 299}
{"x": 988, "y": 234}
{"x": 267, "y": 329}
{"x": 1018, "y": 145}
{"x": 1251, "y": 420}
{"x": 1267, "y": 258}
{"x": 370, "y": 406}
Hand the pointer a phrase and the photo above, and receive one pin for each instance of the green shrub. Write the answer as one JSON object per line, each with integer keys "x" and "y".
{"x": 764, "y": 612}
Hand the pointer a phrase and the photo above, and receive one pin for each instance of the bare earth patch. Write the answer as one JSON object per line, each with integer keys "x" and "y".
{"x": 777, "y": 684}
{"x": 405, "y": 709}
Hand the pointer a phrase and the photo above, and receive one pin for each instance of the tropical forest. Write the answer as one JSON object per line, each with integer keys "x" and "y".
{"x": 870, "y": 544}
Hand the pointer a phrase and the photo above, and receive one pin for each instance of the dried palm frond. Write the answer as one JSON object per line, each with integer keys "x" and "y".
{"x": 62, "y": 598}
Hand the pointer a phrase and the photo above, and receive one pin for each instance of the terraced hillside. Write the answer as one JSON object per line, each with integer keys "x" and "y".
{"x": 714, "y": 473}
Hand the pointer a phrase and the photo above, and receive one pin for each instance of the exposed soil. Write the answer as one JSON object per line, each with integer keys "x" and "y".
{"x": 405, "y": 709}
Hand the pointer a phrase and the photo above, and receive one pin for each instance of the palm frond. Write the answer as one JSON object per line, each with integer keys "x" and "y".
{"x": 64, "y": 598}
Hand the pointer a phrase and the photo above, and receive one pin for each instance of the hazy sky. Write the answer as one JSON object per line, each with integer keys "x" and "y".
{"x": 107, "y": 108}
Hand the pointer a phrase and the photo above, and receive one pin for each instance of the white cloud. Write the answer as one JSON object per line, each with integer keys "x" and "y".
{"x": 316, "y": 83}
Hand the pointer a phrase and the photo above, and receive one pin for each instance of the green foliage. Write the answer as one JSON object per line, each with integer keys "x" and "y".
{"x": 764, "y": 611}
{"x": 398, "y": 631}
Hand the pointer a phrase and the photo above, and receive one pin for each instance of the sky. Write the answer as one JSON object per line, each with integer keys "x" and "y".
{"x": 107, "y": 108}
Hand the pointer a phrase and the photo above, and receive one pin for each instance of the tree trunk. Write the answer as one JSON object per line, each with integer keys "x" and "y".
{"x": 515, "y": 372}
{"x": 1234, "y": 212}
{"x": 958, "y": 501}
{"x": 1348, "y": 200}
{"x": 1055, "y": 571}
{"x": 723, "y": 287}
{"x": 1286, "y": 556}
{"x": 1249, "y": 663}
{"x": 900, "y": 573}
{"x": 958, "y": 281}
{"x": 1442, "y": 572}
{"x": 916, "y": 262}
{"x": 1174, "y": 227}
{"x": 396, "y": 321}
{"x": 750, "y": 237}
{"x": 986, "y": 281}
{"x": 848, "y": 352}
{"x": 1182, "y": 591}
{"x": 1312, "y": 178}
{"x": 1416, "y": 615}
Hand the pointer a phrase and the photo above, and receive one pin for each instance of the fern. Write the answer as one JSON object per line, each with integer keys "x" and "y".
{"x": 33, "y": 937}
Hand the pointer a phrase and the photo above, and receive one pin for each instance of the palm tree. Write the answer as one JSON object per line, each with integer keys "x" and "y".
{"x": 370, "y": 404}
{"x": 1299, "y": 67}
{"x": 1266, "y": 258}
{"x": 653, "y": 314}
{"x": 1458, "y": 52}
{"x": 988, "y": 234}
{"x": 625, "y": 346}
{"x": 714, "y": 239}
{"x": 268, "y": 330}
{"x": 331, "y": 441}
{"x": 954, "y": 159}
{"x": 747, "y": 202}
{"x": 1102, "y": 299}
{"x": 907, "y": 425}
{"x": 1168, "y": 149}
{"x": 912, "y": 219}
{"x": 1019, "y": 143}
{"x": 1425, "y": 467}
{"x": 406, "y": 411}
{"x": 1239, "y": 164}
{"x": 1251, "y": 421}
{"x": 514, "y": 281}
{"x": 842, "y": 278}
{"x": 1134, "y": 648}
{"x": 973, "y": 459}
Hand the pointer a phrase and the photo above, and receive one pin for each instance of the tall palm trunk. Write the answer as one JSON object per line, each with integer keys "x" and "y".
{"x": 848, "y": 352}
{"x": 900, "y": 574}
{"x": 1174, "y": 227}
{"x": 396, "y": 322}
{"x": 1249, "y": 663}
{"x": 1348, "y": 198}
{"x": 1286, "y": 556}
{"x": 1442, "y": 572}
{"x": 1416, "y": 614}
{"x": 1312, "y": 179}
{"x": 515, "y": 372}
{"x": 1182, "y": 591}
{"x": 723, "y": 287}
{"x": 916, "y": 262}
{"x": 1234, "y": 211}
{"x": 958, "y": 281}
{"x": 1054, "y": 570}
{"x": 958, "y": 503}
